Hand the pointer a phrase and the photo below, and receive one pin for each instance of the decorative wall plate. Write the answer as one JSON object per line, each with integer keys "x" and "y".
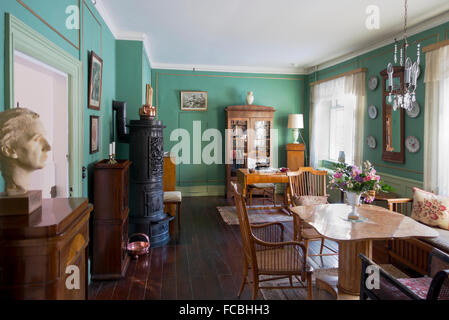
{"x": 412, "y": 144}
{"x": 415, "y": 110}
{"x": 373, "y": 82}
{"x": 372, "y": 111}
{"x": 371, "y": 142}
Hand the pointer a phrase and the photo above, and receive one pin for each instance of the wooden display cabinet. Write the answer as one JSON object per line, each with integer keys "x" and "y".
{"x": 110, "y": 220}
{"x": 248, "y": 139}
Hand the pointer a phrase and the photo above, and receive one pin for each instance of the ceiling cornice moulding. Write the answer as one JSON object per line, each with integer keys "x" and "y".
{"x": 423, "y": 26}
{"x": 307, "y": 69}
{"x": 119, "y": 34}
{"x": 106, "y": 17}
{"x": 236, "y": 69}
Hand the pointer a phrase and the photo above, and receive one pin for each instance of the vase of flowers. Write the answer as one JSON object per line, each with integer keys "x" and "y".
{"x": 355, "y": 182}
{"x": 353, "y": 198}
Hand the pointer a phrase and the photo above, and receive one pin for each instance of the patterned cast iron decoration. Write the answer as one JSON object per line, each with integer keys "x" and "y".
{"x": 157, "y": 155}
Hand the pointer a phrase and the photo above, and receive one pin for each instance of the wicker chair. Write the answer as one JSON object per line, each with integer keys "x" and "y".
{"x": 434, "y": 286}
{"x": 266, "y": 253}
{"x": 308, "y": 183}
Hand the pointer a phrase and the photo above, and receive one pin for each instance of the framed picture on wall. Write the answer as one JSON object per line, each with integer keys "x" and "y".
{"x": 194, "y": 100}
{"x": 95, "y": 81}
{"x": 94, "y": 134}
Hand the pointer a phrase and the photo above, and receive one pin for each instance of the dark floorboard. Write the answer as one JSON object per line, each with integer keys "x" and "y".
{"x": 206, "y": 263}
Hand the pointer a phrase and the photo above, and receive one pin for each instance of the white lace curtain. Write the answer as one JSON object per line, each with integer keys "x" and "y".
{"x": 436, "y": 120}
{"x": 350, "y": 92}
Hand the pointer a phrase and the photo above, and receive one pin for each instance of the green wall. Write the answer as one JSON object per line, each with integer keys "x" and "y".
{"x": 146, "y": 75}
{"x": 133, "y": 73}
{"x": 284, "y": 92}
{"x": 376, "y": 61}
{"x": 93, "y": 35}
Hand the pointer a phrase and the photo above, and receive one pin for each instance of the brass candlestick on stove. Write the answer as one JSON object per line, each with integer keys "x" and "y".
{"x": 148, "y": 111}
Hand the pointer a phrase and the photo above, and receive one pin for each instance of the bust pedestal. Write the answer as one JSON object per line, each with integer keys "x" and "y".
{"x": 21, "y": 204}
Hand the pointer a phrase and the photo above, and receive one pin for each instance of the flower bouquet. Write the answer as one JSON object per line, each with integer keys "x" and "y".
{"x": 355, "y": 181}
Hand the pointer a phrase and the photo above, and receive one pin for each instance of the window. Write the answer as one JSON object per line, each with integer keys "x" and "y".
{"x": 336, "y": 130}
{"x": 436, "y": 119}
{"x": 337, "y": 114}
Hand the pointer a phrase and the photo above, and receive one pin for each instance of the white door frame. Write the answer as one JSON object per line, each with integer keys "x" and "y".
{"x": 22, "y": 38}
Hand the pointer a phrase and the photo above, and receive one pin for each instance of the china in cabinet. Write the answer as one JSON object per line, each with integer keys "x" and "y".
{"x": 249, "y": 140}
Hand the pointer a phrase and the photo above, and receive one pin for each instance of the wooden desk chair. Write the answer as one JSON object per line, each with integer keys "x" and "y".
{"x": 307, "y": 186}
{"x": 268, "y": 191}
{"x": 434, "y": 286}
{"x": 175, "y": 198}
{"x": 266, "y": 253}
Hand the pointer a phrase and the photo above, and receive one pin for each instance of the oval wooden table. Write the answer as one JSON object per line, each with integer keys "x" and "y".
{"x": 355, "y": 237}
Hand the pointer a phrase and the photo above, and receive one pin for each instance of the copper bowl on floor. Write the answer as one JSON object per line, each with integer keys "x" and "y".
{"x": 138, "y": 248}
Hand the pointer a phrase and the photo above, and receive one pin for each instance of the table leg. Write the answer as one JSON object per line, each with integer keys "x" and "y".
{"x": 347, "y": 284}
{"x": 286, "y": 195}
{"x": 350, "y": 265}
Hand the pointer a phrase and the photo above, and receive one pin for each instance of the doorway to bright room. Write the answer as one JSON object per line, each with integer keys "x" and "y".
{"x": 44, "y": 90}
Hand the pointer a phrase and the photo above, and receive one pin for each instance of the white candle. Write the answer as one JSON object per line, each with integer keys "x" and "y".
{"x": 110, "y": 149}
{"x": 113, "y": 147}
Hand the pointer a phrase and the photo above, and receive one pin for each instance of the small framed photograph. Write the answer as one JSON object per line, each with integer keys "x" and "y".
{"x": 95, "y": 81}
{"x": 94, "y": 134}
{"x": 194, "y": 100}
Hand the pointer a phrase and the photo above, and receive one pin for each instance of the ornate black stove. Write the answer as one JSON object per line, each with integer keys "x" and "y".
{"x": 146, "y": 153}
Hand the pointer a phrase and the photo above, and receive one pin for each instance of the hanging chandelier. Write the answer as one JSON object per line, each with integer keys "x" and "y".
{"x": 403, "y": 96}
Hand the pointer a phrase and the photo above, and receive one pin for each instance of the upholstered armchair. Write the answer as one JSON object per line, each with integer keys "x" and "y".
{"x": 266, "y": 253}
{"x": 434, "y": 286}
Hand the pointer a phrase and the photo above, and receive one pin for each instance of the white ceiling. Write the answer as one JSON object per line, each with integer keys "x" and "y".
{"x": 260, "y": 35}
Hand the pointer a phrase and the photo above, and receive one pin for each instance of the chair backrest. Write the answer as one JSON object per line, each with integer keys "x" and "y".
{"x": 245, "y": 227}
{"x": 307, "y": 182}
{"x": 438, "y": 271}
{"x": 402, "y": 206}
{"x": 438, "y": 260}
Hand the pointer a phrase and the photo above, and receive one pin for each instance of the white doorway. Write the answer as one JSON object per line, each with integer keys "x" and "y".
{"x": 44, "y": 90}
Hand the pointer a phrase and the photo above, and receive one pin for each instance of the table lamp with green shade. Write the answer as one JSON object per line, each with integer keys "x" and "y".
{"x": 296, "y": 123}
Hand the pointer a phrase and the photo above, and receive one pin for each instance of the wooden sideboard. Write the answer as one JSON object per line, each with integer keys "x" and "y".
{"x": 110, "y": 220}
{"x": 295, "y": 156}
{"x": 37, "y": 250}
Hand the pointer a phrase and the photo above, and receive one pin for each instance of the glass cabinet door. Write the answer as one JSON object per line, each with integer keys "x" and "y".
{"x": 262, "y": 142}
{"x": 239, "y": 145}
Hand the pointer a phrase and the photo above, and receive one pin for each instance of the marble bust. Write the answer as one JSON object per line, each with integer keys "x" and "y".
{"x": 23, "y": 148}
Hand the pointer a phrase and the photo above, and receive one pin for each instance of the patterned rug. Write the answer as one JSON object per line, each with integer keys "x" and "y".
{"x": 317, "y": 294}
{"x": 297, "y": 293}
{"x": 229, "y": 215}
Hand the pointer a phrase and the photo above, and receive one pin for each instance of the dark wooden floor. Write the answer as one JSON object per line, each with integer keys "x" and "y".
{"x": 205, "y": 264}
